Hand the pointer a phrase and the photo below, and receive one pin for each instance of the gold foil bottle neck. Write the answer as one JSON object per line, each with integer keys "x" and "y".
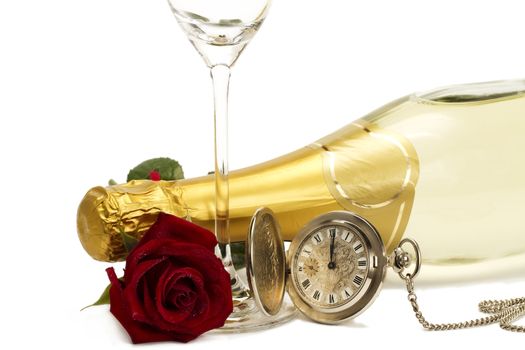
{"x": 131, "y": 208}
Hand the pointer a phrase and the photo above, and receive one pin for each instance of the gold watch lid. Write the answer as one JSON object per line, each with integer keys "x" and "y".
{"x": 266, "y": 261}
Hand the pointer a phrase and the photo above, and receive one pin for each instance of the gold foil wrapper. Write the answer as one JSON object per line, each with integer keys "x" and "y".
{"x": 359, "y": 168}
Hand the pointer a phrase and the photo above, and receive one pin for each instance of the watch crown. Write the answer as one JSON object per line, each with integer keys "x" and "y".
{"x": 399, "y": 260}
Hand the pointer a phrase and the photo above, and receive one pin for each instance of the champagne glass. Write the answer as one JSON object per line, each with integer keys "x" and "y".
{"x": 220, "y": 30}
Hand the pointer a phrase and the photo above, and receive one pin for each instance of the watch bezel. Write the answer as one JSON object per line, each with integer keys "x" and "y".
{"x": 374, "y": 278}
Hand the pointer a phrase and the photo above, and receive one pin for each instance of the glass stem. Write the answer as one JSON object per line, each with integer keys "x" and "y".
{"x": 220, "y": 75}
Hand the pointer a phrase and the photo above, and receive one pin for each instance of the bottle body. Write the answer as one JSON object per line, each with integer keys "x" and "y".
{"x": 443, "y": 167}
{"x": 469, "y": 197}
{"x": 371, "y": 173}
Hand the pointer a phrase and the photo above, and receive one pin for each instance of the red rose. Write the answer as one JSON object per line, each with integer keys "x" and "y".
{"x": 174, "y": 287}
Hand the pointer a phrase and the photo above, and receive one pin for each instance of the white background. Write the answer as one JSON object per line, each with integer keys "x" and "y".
{"x": 88, "y": 89}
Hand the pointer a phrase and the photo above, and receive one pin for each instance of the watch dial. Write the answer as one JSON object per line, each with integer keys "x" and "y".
{"x": 331, "y": 266}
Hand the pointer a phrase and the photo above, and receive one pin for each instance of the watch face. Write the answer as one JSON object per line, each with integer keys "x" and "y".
{"x": 331, "y": 266}
{"x": 337, "y": 266}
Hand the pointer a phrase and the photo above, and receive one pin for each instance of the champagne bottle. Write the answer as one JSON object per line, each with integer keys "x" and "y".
{"x": 443, "y": 167}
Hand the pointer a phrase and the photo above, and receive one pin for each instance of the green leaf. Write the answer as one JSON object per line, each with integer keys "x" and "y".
{"x": 103, "y": 300}
{"x": 112, "y": 182}
{"x": 168, "y": 169}
{"x": 129, "y": 241}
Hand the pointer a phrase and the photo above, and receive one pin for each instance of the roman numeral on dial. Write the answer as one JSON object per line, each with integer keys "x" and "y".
{"x": 358, "y": 280}
{"x": 347, "y": 236}
{"x": 332, "y": 232}
{"x": 317, "y": 295}
{"x": 347, "y": 294}
{"x": 306, "y": 283}
{"x": 361, "y": 263}
{"x": 358, "y": 247}
{"x": 306, "y": 251}
{"x": 331, "y": 299}
{"x": 317, "y": 238}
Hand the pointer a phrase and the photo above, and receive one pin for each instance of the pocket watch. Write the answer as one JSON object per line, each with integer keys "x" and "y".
{"x": 333, "y": 271}
{"x": 335, "y": 267}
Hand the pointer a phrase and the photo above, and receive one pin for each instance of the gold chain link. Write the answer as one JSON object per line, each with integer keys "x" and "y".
{"x": 503, "y": 311}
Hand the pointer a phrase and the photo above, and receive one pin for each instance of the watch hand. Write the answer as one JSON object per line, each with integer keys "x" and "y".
{"x": 331, "y": 264}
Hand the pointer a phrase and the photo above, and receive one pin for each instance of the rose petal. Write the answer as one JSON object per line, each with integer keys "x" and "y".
{"x": 178, "y": 283}
{"x": 113, "y": 279}
{"x": 131, "y": 291}
{"x": 218, "y": 295}
{"x": 179, "y": 332}
{"x": 179, "y": 293}
{"x": 180, "y": 297}
{"x": 221, "y": 306}
{"x": 166, "y": 282}
{"x": 182, "y": 254}
{"x": 155, "y": 316}
{"x": 138, "y": 332}
{"x": 222, "y": 300}
{"x": 172, "y": 227}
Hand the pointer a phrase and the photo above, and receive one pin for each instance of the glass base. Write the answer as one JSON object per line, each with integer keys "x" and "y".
{"x": 246, "y": 317}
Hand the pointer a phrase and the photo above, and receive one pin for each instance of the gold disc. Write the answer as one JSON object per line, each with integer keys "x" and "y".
{"x": 266, "y": 261}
